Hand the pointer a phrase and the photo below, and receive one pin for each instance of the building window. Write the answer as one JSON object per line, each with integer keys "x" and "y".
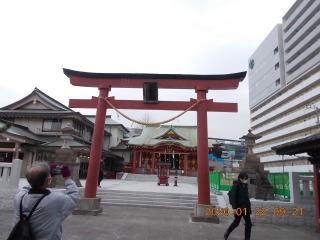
{"x": 50, "y": 125}
{"x": 276, "y": 66}
{"x": 278, "y": 82}
{"x": 275, "y": 51}
{"x": 78, "y": 128}
{"x": 90, "y": 134}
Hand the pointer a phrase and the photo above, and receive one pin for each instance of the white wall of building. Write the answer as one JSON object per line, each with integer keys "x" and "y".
{"x": 302, "y": 168}
{"x": 288, "y": 112}
{"x": 266, "y": 70}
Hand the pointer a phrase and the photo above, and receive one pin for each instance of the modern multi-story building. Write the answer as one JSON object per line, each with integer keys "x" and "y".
{"x": 284, "y": 85}
{"x": 232, "y": 150}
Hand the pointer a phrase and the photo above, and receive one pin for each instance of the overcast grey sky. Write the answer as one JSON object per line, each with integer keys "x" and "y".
{"x": 39, "y": 38}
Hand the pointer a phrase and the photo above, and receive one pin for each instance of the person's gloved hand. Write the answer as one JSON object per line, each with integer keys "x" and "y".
{"x": 65, "y": 171}
{"x": 52, "y": 166}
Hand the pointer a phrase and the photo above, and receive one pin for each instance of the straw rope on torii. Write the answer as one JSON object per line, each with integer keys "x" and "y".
{"x": 151, "y": 124}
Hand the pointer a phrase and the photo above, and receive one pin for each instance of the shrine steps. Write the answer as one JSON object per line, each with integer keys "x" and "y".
{"x": 150, "y": 200}
{"x": 154, "y": 178}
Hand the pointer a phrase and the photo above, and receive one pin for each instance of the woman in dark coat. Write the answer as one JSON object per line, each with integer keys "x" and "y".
{"x": 239, "y": 197}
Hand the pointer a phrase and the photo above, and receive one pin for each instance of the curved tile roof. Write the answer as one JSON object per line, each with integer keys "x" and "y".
{"x": 147, "y": 138}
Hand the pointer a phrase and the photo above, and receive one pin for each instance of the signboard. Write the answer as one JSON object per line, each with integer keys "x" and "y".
{"x": 232, "y": 152}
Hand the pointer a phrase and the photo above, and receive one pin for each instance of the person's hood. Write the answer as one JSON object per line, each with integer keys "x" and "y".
{"x": 236, "y": 181}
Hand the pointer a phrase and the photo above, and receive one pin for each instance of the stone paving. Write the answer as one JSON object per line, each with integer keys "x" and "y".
{"x": 123, "y": 185}
{"x": 146, "y": 223}
{"x": 157, "y": 223}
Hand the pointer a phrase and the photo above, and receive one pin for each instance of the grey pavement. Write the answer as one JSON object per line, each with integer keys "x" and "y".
{"x": 123, "y": 185}
{"x": 156, "y": 223}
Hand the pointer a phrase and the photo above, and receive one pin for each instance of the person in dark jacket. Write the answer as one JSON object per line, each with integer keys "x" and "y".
{"x": 241, "y": 205}
{"x": 101, "y": 169}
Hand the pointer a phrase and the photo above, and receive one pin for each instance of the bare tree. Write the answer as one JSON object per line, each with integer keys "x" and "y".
{"x": 146, "y": 118}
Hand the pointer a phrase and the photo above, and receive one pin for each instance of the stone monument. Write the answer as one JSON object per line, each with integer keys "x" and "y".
{"x": 258, "y": 184}
{"x": 66, "y": 156}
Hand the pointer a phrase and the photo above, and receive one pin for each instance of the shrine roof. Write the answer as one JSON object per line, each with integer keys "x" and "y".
{"x": 149, "y": 136}
{"x": 52, "y": 100}
{"x": 37, "y": 93}
{"x": 299, "y": 145}
{"x": 121, "y": 147}
{"x": 240, "y": 75}
{"x": 22, "y": 132}
{"x": 109, "y": 121}
{"x": 33, "y": 112}
{"x": 59, "y": 142}
{"x": 173, "y": 130}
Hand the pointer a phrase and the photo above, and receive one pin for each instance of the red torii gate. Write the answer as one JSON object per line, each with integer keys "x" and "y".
{"x": 201, "y": 83}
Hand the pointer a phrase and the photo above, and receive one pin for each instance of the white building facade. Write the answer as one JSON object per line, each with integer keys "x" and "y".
{"x": 284, "y": 86}
{"x": 113, "y": 143}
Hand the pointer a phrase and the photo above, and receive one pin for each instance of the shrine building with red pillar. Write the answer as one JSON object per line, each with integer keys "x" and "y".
{"x": 174, "y": 144}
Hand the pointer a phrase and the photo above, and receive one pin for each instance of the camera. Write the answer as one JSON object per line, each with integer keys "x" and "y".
{"x": 56, "y": 170}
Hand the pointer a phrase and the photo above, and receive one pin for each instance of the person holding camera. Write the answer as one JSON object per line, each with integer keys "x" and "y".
{"x": 239, "y": 197}
{"x": 55, "y": 207}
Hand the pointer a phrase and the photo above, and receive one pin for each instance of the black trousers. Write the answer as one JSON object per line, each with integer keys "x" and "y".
{"x": 235, "y": 223}
{"x": 100, "y": 177}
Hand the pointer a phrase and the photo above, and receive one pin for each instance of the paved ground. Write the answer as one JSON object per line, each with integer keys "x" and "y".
{"x": 154, "y": 223}
{"x": 183, "y": 188}
{"x": 147, "y": 223}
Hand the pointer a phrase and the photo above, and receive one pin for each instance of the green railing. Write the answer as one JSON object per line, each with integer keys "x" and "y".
{"x": 226, "y": 180}
{"x": 222, "y": 181}
{"x": 280, "y": 183}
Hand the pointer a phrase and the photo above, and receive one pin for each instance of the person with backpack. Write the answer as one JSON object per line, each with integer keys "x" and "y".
{"x": 51, "y": 208}
{"x": 239, "y": 199}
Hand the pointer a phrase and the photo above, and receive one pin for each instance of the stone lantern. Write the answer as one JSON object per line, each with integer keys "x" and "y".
{"x": 66, "y": 156}
{"x": 258, "y": 183}
{"x": 67, "y": 133}
{"x": 250, "y": 141}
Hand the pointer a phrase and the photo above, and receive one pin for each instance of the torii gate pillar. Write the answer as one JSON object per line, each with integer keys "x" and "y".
{"x": 97, "y": 140}
{"x": 202, "y": 150}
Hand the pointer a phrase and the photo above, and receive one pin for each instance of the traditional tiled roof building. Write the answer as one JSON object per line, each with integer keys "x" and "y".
{"x": 34, "y": 136}
{"x": 174, "y": 144}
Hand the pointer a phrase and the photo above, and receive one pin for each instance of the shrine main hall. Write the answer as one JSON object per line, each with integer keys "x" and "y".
{"x": 166, "y": 143}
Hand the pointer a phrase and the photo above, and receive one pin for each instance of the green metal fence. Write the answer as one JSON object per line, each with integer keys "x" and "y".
{"x": 280, "y": 183}
{"x": 226, "y": 180}
{"x": 215, "y": 176}
{"x": 222, "y": 181}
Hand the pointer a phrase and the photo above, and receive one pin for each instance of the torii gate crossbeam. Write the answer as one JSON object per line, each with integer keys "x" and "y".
{"x": 201, "y": 83}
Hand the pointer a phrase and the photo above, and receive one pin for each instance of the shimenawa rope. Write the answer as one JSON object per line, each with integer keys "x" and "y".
{"x": 151, "y": 124}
